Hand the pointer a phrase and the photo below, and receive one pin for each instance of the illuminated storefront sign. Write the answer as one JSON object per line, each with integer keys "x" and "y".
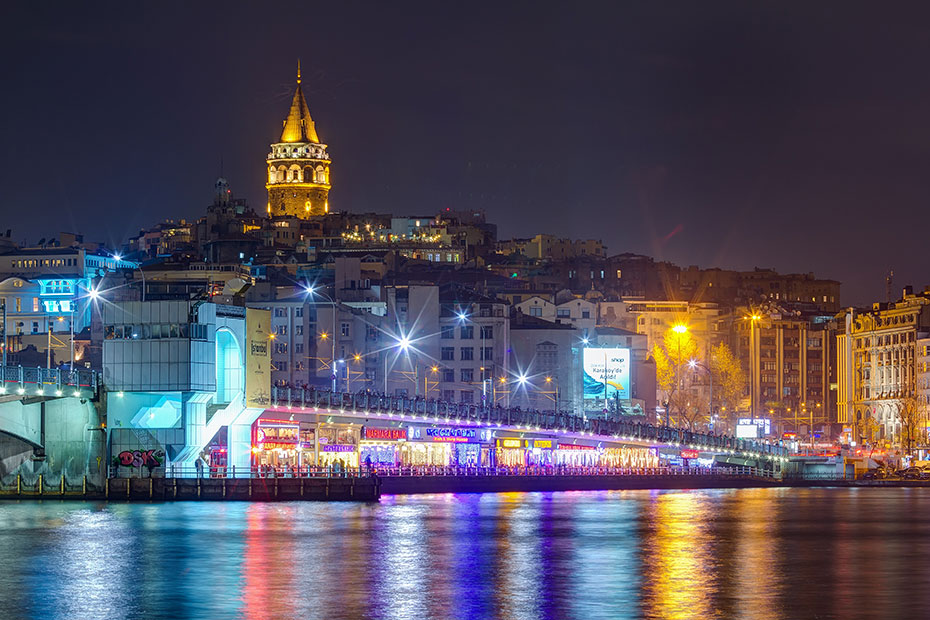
{"x": 276, "y": 445}
{"x": 571, "y": 446}
{"x": 538, "y": 444}
{"x": 689, "y": 454}
{"x": 464, "y": 433}
{"x": 606, "y": 372}
{"x": 444, "y": 434}
{"x": 335, "y": 447}
{"x": 276, "y": 435}
{"x": 384, "y": 434}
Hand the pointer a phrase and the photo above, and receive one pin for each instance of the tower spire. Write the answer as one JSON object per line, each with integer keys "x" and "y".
{"x": 299, "y": 127}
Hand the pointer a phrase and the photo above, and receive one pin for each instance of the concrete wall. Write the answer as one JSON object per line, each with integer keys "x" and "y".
{"x": 69, "y": 434}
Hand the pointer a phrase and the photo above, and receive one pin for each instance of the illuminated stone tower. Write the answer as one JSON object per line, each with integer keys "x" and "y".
{"x": 298, "y": 165}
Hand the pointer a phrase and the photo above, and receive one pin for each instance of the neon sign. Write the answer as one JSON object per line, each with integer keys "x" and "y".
{"x": 464, "y": 433}
{"x": 391, "y": 434}
{"x": 276, "y": 445}
{"x": 510, "y": 443}
{"x": 689, "y": 454}
{"x": 335, "y": 447}
{"x": 571, "y": 446}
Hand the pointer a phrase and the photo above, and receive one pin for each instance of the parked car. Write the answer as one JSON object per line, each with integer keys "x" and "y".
{"x": 912, "y": 473}
{"x": 875, "y": 474}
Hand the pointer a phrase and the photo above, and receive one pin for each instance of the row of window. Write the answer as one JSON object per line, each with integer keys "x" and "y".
{"x": 18, "y": 304}
{"x": 44, "y": 262}
{"x": 156, "y": 331}
{"x": 281, "y": 312}
{"x": 467, "y": 332}
{"x": 447, "y": 354}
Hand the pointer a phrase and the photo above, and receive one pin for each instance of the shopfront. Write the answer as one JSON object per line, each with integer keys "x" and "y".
{"x": 574, "y": 455}
{"x": 338, "y": 445}
{"x": 511, "y": 452}
{"x": 626, "y": 456}
{"x": 444, "y": 445}
{"x": 382, "y": 446}
{"x": 282, "y": 444}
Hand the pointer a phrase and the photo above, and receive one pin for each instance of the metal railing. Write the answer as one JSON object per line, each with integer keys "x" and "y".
{"x": 562, "y": 421}
{"x": 177, "y": 471}
{"x": 37, "y": 381}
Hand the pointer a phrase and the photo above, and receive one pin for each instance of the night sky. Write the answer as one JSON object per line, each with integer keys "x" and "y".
{"x": 786, "y": 135}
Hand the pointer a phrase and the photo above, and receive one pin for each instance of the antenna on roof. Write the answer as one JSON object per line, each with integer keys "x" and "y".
{"x": 888, "y": 281}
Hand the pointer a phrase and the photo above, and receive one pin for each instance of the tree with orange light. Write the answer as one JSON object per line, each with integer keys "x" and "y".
{"x": 671, "y": 356}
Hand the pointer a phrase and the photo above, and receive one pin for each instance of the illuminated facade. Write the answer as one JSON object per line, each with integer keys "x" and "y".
{"x": 298, "y": 166}
{"x": 878, "y": 366}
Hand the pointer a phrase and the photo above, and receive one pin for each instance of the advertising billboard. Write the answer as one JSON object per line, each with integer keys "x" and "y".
{"x": 606, "y": 372}
{"x": 257, "y": 358}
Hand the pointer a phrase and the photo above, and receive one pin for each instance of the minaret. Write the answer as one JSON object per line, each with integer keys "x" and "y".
{"x": 298, "y": 165}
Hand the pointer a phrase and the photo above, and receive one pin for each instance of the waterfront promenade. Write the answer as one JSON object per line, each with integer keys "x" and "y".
{"x": 368, "y": 485}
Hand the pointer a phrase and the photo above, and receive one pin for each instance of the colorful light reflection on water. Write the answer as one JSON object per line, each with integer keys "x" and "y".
{"x": 765, "y": 553}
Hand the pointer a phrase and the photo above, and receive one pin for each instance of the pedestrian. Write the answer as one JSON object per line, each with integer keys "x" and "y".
{"x": 198, "y": 465}
{"x": 368, "y": 464}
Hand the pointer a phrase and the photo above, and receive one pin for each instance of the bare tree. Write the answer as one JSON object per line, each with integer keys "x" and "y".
{"x": 910, "y": 415}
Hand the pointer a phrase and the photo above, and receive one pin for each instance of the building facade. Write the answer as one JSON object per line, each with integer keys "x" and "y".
{"x": 878, "y": 366}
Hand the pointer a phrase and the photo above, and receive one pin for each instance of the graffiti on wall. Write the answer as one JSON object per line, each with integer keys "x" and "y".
{"x": 140, "y": 458}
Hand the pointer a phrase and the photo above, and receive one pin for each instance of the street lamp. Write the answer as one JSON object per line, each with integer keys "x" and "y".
{"x": 755, "y": 316}
{"x": 710, "y": 375}
{"x": 405, "y": 345}
{"x": 311, "y": 291}
{"x": 554, "y": 393}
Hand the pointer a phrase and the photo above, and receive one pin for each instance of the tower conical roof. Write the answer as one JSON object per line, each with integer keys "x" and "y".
{"x": 299, "y": 127}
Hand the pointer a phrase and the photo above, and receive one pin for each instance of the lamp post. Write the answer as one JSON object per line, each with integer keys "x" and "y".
{"x": 402, "y": 343}
{"x": 117, "y": 257}
{"x": 554, "y": 384}
{"x": 680, "y": 329}
{"x": 752, "y": 363}
{"x": 710, "y": 375}
{"x": 312, "y": 290}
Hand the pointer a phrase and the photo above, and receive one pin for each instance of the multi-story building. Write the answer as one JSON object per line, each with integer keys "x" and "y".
{"x": 656, "y": 318}
{"x": 579, "y": 313}
{"x": 550, "y": 247}
{"x": 792, "y": 367}
{"x": 877, "y": 365}
{"x": 315, "y": 338}
{"x": 468, "y": 356}
{"x": 46, "y": 296}
{"x": 545, "y": 356}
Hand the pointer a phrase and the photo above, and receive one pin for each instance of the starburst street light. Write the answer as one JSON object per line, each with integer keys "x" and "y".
{"x": 312, "y": 291}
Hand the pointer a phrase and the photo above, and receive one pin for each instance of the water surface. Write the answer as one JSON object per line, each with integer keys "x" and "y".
{"x": 753, "y": 553}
